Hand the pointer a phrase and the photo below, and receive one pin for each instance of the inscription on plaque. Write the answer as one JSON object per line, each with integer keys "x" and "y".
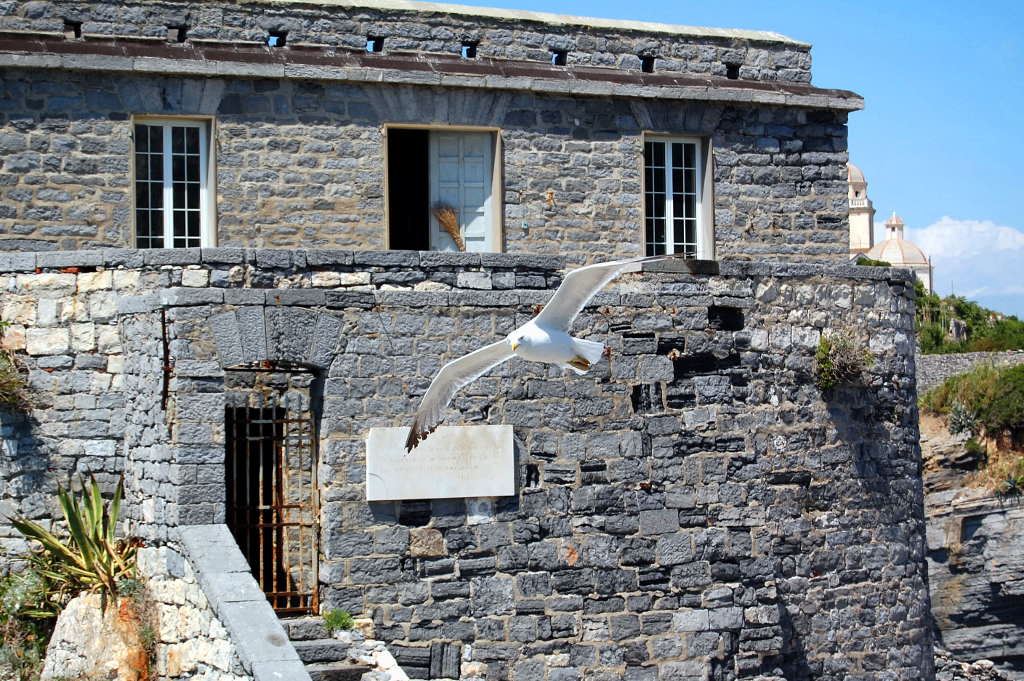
{"x": 454, "y": 462}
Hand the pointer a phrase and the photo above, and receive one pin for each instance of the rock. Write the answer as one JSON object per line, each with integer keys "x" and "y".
{"x": 92, "y": 644}
{"x": 947, "y": 668}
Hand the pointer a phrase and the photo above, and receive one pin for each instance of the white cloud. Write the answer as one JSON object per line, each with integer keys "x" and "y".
{"x": 978, "y": 259}
{"x": 950, "y": 237}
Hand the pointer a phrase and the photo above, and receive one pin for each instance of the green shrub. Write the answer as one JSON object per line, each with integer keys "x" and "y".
{"x": 865, "y": 261}
{"x": 26, "y": 622}
{"x": 840, "y": 360}
{"x": 92, "y": 558}
{"x": 1005, "y": 409}
{"x": 1012, "y": 486}
{"x": 986, "y": 400}
{"x": 975, "y": 447}
{"x": 338, "y": 620}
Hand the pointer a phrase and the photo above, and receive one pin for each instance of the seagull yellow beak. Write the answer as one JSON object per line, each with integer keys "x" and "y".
{"x": 514, "y": 346}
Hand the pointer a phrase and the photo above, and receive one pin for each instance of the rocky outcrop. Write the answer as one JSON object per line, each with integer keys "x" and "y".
{"x": 975, "y": 554}
{"x": 97, "y": 641}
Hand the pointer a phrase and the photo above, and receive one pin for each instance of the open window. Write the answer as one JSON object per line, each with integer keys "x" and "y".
{"x": 677, "y": 202}
{"x": 442, "y": 190}
{"x": 172, "y": 183}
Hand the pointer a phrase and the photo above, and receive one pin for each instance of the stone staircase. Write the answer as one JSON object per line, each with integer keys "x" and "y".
{"x": 326, "y": 658}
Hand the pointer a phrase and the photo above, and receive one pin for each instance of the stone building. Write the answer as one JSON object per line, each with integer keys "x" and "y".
{"x": 694, "y": 508}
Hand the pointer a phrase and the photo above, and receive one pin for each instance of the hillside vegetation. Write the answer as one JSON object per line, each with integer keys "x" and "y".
{"x": 987, "y": 404}
{"x": 983, "y": 330}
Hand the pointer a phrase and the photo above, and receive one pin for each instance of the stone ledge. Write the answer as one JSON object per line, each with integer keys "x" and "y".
{"x": 312, "y": 259}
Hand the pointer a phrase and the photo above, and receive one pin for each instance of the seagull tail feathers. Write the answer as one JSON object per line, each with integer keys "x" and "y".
{"x": 588, "y": 351}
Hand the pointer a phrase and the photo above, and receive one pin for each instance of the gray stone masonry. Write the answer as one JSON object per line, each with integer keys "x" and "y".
{"x": 299, "y": 137}
{"x": 693, "y": 508}
{"x": 932, "y": 370}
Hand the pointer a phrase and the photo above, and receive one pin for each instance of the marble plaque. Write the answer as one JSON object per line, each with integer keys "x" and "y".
{"x": 454, "y": 462}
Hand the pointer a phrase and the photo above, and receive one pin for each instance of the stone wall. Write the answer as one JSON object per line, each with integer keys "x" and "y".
{"x": 932, "y": 370}
{"x": 301, "y": 163}
{"x": 190, "y": 640}
{"x": 434, "y": 28}
{"x": 693, "y": 508}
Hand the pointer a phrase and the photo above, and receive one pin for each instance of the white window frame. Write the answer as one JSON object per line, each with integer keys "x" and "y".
{"x": 207, "y": 236}
{"x": 703, "y": 204}
{"x": 438, "y": 238}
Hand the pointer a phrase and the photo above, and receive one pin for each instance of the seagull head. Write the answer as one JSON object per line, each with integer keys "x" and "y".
{"x": 518, "y": 339}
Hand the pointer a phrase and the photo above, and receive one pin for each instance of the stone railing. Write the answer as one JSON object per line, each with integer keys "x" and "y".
{"x": 251, "y": 626}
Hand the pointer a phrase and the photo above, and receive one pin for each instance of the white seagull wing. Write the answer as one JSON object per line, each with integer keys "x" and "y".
{"x": 453, "y": 376}
{"x": 580, "y": 285}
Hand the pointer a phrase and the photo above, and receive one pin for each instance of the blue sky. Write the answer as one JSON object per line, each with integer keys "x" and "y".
{"x": 940, "y": 140}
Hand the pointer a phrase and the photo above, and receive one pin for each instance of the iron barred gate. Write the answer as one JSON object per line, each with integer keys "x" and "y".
{"x": 270, "y": 468}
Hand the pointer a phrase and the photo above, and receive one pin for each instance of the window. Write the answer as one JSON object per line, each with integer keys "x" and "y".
{"x": 674, "y": 205}
{"x": 171, "y": 179}
{"x": 439, "y": 176}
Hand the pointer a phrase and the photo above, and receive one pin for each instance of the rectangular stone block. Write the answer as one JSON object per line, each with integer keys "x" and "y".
{"x": 17, "y": 262}
{"x": 58, "y": 259}
{"x": 224, "y": 256}
{"x": 171, "y": 256}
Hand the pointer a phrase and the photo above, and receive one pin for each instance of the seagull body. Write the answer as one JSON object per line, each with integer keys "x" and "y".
{"x": 545, "y": 338}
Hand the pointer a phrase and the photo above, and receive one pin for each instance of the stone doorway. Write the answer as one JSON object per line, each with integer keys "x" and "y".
{"x": 270, "y": 474}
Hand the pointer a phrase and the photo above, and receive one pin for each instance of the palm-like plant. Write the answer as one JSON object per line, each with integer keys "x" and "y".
{"x": 92, "y": 558}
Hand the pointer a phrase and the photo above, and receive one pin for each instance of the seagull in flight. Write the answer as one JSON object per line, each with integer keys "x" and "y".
{"x": 545, "y": 338}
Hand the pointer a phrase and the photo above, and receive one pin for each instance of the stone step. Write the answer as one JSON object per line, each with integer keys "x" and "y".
{"x": 321, "y": 650}
{"x": 305, "y": 628}
{"x": 337, "y": 671}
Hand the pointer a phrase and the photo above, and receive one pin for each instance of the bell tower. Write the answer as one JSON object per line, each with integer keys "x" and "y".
{"x": 862, "y": 212}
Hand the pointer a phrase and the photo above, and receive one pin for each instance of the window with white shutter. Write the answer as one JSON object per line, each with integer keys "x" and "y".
{"x": 441, "y": 193}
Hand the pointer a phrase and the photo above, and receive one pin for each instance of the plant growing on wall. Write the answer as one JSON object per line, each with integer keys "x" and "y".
{"x": 26, "y": 621}
{"x": 338, "y": 620}
{"x": 841, "y": 359}
{"x": 91, "y": 558}
{"x": 12, "y": 378}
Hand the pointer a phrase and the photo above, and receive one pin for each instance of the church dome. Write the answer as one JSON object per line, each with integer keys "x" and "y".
{"x": 854, "y": 174}
{"x": 896, "y": 250}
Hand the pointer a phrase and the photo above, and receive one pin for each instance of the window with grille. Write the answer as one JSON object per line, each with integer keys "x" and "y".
{"x": 673, "y": 198}
{"x": 171, "y": 184}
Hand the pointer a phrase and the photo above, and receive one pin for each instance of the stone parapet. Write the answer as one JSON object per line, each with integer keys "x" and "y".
{"x": 488, "y": 74}
{"x": 426, "y": 28}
